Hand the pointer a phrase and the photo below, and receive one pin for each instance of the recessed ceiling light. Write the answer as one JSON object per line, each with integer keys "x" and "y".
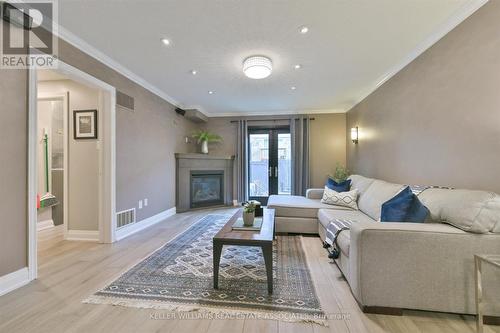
{"x": 298, "y": 66}
{"x": 304, "y": 29}
{"x": 211, "y": 92}
{"x": 293, "y": 87}
{"x": 165, "y": 41}
{"x": 257, "y": 67}
{"x": 194, "y": 72}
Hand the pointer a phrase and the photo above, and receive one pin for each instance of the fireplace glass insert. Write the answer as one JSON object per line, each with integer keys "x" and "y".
{"x": 207, "y": 188}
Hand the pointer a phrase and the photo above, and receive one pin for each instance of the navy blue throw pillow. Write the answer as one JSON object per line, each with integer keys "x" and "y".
{"x": 344, "y": 186}
{"x": 404, "y": 207}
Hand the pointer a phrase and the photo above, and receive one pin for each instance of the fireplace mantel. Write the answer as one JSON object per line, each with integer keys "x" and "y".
{"x": 189, "y": 164}
{"x": 203, "y": 157}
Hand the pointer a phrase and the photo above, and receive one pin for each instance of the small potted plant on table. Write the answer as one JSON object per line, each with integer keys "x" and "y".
{"x": 248, "y": 213}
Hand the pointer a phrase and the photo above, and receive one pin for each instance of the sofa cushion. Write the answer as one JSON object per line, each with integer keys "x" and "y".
{"x": 375, "y": 195}
{"x": 360, "y": 183}
{"x": 338, "y": 187}
{"x": 343, "y": 240}
{"x": 473, "y": 211}
{"x": 404, "y": 207}
{"x": 297, "y": 206}
{"x": 345, "y": 199}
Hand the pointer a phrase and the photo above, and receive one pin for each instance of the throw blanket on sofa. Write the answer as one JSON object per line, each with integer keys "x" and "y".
{"x": 417, "y": 189}
{"x": 335, "y": 227}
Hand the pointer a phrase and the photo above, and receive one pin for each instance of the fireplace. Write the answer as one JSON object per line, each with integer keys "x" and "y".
{"x": 203, "y": 180}
{"x": 206, "y": 188}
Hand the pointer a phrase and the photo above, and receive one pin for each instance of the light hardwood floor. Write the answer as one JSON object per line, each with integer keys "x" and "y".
{"x": 71, "y": 271}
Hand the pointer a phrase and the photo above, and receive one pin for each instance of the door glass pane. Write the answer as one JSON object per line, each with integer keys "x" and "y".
{"x": 284, "y": 163}
{"x": 259, "y": 165}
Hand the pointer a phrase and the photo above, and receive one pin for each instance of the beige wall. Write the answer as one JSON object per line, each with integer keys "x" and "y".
{"x": 328, "y": 142}
{"x": 227, "y": 130}
{"x": 328, "y": 146}
{"x": 145, "y": 165}
{"x": 83, "y": 172}
{"x": 13, "y": 175}
{"x": 146, "y": 140}
{"x": 438, "y": 120}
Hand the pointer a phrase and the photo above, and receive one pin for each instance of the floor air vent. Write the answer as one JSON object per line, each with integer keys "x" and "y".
{"x": 125, "y": 218}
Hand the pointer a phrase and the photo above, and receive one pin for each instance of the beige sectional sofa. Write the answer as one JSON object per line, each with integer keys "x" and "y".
{"x": 392, "y": 266}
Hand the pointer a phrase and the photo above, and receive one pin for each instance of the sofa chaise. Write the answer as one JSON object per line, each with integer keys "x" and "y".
{"x": 392, "y": 266}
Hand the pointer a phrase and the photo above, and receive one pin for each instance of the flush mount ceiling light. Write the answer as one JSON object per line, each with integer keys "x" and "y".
{"x": 298, "y": 66}
{"x": 293, "y": 87}
{"x": 303, "y": 29}
{"x": 165, "y": 41}
{"x": 194, "y": 72}
{"x": 211, "y": 92}
{"x": 257, "y": 67}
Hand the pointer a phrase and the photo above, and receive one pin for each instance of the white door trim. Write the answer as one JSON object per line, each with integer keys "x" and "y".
{"x": 107, "y": 145}
{"x": 32, "y": 174}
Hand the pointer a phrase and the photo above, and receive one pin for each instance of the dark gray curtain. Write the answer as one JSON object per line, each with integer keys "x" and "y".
{"x": 299, "y": 130}
{"x": 241, "y": 161}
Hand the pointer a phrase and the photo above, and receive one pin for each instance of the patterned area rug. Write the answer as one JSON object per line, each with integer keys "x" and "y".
{"x": 178, "y": 277}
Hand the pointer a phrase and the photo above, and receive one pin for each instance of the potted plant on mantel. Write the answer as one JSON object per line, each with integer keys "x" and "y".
{"x": 248, "y": 213}
{"x": 204, "y": 138}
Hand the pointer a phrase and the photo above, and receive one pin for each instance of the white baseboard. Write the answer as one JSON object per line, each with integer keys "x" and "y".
{"x": 143, "y": 224}
{"x": 83, "y": 235}
{"x": 14, "y": 280}
{"x": 42, "y": 225}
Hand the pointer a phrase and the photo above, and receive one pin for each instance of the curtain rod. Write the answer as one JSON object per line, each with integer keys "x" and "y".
{"x": 235, "y": 121}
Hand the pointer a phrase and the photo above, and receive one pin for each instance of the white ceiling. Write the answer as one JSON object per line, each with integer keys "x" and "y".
{"x": 351, "y": 46}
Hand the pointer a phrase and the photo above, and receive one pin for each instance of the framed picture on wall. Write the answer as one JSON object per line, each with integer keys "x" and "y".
{"x": 85, "y": 124}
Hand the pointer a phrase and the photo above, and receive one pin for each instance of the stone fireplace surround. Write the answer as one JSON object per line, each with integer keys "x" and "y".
{"x": 187, "y": 164}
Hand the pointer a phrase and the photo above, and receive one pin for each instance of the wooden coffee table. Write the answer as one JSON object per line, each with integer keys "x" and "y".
{"x": 263, "y": 239}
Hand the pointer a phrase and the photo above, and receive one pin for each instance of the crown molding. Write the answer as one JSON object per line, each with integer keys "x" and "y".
{"x": 275, "y": 113}
{"x": 458, "y": 17}
{"x": 82, "y": 45}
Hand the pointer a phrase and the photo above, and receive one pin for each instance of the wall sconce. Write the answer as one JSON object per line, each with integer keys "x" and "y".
{"x": 354, "y": 135}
